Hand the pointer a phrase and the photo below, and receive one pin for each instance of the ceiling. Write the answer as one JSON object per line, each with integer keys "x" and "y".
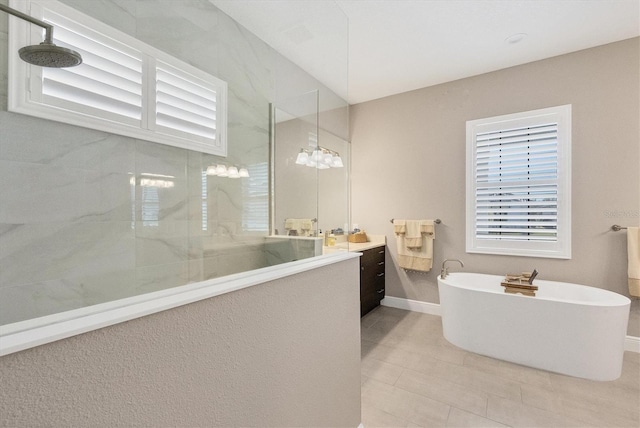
{"x": 396, "y": 46}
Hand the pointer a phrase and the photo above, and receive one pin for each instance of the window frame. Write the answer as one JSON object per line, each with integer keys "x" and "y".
{"x": 25, "y": 82}
{"x": 561, "y": 248}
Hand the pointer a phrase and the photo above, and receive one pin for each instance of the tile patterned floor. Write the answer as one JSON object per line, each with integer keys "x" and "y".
{"x": 413, "y": 377}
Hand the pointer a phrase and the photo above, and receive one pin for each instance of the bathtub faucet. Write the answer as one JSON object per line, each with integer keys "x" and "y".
{"x": 444, "y": 272}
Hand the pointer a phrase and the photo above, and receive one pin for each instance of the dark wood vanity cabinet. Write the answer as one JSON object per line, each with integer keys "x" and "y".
{"x": 371, "y": 279}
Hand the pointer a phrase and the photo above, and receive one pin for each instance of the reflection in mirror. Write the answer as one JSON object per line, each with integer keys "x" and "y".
{"x": 311, "y": 168}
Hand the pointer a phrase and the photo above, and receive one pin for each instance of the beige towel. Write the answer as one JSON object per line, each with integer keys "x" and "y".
{"x": 302, "y": 226}
{"x": 633, "y": 251}
{"x": 399, "y": 226}
{"x": 292, "y": 224}
{"x": 413, "y": 235}
{"x": 416, "y": 257}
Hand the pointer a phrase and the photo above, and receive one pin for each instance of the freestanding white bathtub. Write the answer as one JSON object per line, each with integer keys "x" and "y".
{"x": 566, "y": 328}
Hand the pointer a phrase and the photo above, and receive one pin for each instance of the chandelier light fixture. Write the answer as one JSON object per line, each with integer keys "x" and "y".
{"x": 320, "y": 158}
{"x": 221, "y": 170}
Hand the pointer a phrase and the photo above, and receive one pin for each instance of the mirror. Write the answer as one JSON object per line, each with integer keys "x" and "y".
{"x": 310, "y": 175}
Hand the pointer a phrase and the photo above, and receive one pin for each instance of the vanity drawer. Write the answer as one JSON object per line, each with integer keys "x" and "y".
{"x": 372, "y": 278}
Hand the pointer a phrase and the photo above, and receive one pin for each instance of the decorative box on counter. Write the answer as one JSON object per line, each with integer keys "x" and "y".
{"x": 357, "y": 238}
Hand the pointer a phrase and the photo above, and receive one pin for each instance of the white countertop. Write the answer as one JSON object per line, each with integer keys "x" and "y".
{"x": 374, "y": 241}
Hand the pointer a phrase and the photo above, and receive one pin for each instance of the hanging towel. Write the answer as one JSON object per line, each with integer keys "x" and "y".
{"x": 417, "y": 257}
{"x": 413, "y": 234}
{"x": 292, "y": 224}
{"x": 399, "y": 226}
{"x": 302, "y": 226}
{"x": 306, "y": 224}
{"x": 633, "y": 251}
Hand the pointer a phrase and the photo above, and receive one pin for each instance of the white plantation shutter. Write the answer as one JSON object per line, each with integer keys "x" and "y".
{"x": 123, "y": 86}
{"x": 518, "y": 184}
{"x": 185, "y": 105}
{"x": 108, "y": 84}
{"x": 255, "y": 199}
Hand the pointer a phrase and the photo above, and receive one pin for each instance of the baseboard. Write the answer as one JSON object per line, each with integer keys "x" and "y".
{"x": 411, "y": 305}
{"x": 631, "y": 343}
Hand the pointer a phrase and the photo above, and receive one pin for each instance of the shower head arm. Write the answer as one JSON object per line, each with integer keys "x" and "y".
{"x": 48, "y": 38}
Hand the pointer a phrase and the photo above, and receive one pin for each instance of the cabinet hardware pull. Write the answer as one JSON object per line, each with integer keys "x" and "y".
{"x": 381, "y": 274}
{"x": 380, "y": 291}
{"x": 380, "y": 263}
{"x": 381, "y": 252}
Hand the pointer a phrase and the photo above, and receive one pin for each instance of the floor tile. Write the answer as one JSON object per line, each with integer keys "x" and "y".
{"x": 516, "y": 414}
{"x": 392, "y": 354}
{"x": 461, "y": 419}
{"x": 381, "y": 371}
{"x": 403, "y": 404}
{"x": 443, "y": 391}
{"x": 475, "y": 379}
{"x": 509, "y": 370}
{"x": 373, "y": 418}
{"x": 413, "y": 377}
{"x": 602, "y": 415}
{"x": 541, "y": 398}
{"x": 597, "y": 394}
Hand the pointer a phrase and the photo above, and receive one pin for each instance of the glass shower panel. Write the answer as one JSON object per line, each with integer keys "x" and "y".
{"x": 295, "y": 156}
{"x": 333, "y": 192}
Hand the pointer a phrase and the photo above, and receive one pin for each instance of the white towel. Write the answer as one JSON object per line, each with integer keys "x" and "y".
{"x": 417, "y": 257}
{"x": 633, "y": 251}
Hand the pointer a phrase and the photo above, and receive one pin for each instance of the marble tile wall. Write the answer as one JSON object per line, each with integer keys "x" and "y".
{"x": 76, "y": 226}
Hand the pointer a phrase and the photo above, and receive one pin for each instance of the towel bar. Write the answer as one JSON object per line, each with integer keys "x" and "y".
{"x": 436, "y": 221}
{"x": 617, "y": 228}
{"x": 313, "y": 219}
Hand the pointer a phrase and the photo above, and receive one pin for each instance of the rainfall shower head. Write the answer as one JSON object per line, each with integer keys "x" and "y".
{"x": 46, "y": 54}
{"x": 49, "y": 55}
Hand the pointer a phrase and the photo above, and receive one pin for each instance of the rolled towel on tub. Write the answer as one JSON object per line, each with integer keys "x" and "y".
{"x": 633, "y": 251}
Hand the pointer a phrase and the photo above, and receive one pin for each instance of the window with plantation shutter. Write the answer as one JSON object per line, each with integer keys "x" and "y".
{"x": 518, "y": 184}
{"x": 186, "y": 105}
{"x": 255, "y": 199}
{"x": 123, "y": 86}
{"x": 107, "y": 85}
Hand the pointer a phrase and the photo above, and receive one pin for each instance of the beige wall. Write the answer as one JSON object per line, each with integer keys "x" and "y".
{"x": 283, "y": 353}
{"x": 408, "y": 161}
